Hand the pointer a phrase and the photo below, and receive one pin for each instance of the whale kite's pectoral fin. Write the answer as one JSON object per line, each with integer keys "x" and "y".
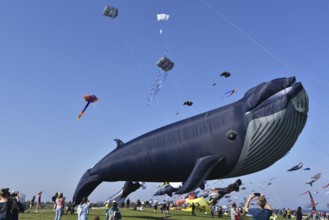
{"x": 201, "y": 170}
{"x": 128, "y": 188}
{"x": 119, "y": 142}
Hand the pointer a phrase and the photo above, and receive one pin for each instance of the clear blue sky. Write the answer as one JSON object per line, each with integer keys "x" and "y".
{"x": 54, "y": 52}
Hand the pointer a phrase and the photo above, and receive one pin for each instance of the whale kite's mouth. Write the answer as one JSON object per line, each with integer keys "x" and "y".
{"x": 270, "y": 99}
{"x": 279, "y": 89}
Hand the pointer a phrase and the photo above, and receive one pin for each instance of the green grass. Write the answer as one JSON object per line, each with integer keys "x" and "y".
{"x": 127, "y": 214}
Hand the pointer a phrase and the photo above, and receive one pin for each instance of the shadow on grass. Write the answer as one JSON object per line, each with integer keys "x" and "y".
{"x": 153, "y": 217}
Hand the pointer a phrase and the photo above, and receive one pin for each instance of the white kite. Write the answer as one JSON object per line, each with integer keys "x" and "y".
{"x": 162, "y": 17}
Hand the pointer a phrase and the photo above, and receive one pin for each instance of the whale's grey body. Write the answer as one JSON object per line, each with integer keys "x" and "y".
{"x": 237, "y": 139}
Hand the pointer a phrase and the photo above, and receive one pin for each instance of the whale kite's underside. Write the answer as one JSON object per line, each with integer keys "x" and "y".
{"x": 237, "y": 139}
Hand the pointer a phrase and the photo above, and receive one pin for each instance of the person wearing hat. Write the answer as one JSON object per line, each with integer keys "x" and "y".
{"x": 264, "y": 209}
{"x": 114, "y": 212}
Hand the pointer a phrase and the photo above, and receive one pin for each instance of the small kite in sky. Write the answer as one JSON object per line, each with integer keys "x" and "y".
{"x": 316, "y": 176}
{"x": 110, "y": 11}
{"x": 165, "y": 64}
{"x": 163, "y": 17}
{"x": 89, "y": 99}
{"x": 297, "y": 167}
{"x": 188, "y": 103}
{"x": 325, "y": 186}
{"x": 225, "y": 74}
{"x": 307, "y": 168}
{"x": 231, "y": 92}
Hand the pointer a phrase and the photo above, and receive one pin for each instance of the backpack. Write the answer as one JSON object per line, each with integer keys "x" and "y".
{"x": 4, "y": 211}
{"x": 237, "y": 216}
{"x": 113, "y": 216}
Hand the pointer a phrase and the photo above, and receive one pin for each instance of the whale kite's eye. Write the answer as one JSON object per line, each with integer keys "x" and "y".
{"x": 231, "y": 135}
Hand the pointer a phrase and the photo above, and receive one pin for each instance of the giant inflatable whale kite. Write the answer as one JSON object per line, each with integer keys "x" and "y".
{"x": 234, "y": 140}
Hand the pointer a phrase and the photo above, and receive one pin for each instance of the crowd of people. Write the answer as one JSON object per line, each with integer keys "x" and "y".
{"x": 11, "y": 206}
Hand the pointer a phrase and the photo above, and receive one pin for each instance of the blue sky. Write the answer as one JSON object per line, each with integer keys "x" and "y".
{"x": 52, "y": 53}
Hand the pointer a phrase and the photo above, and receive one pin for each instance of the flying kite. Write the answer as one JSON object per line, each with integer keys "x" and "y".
{"x": 307, "y": 168}
{"x": 312, "y": 201}
{"x": 163, "y": 17}
{"x": 89, "y": 99}
{"x": 168, "y": 189}
{"x": 226, "y": 142}
{"x": 110, "y": 11}
{"x": 316, "y": 176}
{"x": 225, "y": 74}
{"x": 188, "y": 103}
{"x": 325, "y": 186}
{"x": 297, "y": 167}
{"x": 231, "y": 92}
{"x": 165, "y": 65}
{"x": 128, "y": 188}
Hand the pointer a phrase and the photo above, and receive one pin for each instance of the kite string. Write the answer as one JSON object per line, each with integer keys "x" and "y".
{"x": 259, "y": 45}
{"x": 180, "y": 94}
{"x": 132, "y": 53}
{"x": 247, "y": 36}
{"x": 138, "y": 65}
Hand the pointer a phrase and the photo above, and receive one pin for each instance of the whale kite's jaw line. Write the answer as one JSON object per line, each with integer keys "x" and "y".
{"x": 270, "y": 137}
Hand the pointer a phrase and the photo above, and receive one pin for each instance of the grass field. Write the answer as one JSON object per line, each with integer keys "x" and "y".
{"x": 127, "y": 214}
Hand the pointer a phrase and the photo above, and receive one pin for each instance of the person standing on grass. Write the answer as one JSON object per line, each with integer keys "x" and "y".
{"x": 114, "y": 212}
{"x": 233, "y": 211}
{"x": 31, "y": 204}
{"x": 155, "y": 206}
{"x": 193, "y": 209}
{"x": 83, "y": 209}
{"x": 299, "y": 213}
{"x": 59, "y": 206}
{"x": 38, "y": 201}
